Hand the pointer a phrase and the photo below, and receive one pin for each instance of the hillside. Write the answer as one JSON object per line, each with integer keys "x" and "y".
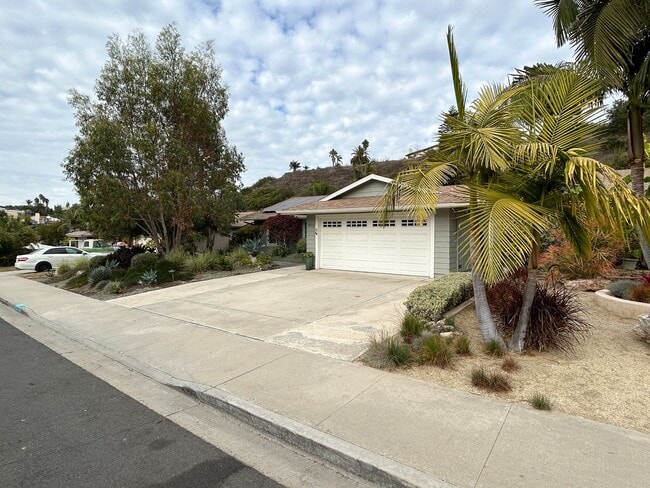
{"x": 270, "y": 190}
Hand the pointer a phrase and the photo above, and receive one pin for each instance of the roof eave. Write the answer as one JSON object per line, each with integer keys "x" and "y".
{"x": 362, "y": 209}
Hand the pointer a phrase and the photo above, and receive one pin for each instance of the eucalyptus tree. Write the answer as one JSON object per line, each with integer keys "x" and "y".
{"x": 151, "y": 151}
{"x": 614, "y": 37}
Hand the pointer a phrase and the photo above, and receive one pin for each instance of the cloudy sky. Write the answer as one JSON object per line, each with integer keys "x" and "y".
{"x": 304, "y": 76}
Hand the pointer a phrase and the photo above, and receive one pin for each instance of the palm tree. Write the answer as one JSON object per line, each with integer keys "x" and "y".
{"x": 294, "y": 165}
{"x": 614, "y": 36}
{"x": 361, "y": 161}
{"x": 335, "y": 157}
{"x": 518, "y": 150}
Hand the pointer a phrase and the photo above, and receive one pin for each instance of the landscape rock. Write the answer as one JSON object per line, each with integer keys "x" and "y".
{"x": 642, "y": 329}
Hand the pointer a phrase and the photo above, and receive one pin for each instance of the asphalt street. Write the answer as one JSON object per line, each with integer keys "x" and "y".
{"x": 60, "y": 426}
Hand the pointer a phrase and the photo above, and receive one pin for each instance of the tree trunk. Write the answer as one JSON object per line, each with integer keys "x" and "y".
{"x": 636, "y": 156}
{"x": 486, "y": 323}
{"x": 519, "y": 334}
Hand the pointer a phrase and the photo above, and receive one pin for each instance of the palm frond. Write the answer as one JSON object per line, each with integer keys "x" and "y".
{"x": 563, "y": 13}
{"x": 460, "y": 90}
{"x": 415, "y": 190}
{"x": 502, "y": 230}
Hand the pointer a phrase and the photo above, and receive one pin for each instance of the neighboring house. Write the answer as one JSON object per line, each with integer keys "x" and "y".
{"x": 258, "y": 217}
{"x": 344, "y": 232}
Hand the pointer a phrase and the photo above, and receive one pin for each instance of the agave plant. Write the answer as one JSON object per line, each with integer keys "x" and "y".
{"x": 253, "y": 246}
{"x": 149, "y": 277}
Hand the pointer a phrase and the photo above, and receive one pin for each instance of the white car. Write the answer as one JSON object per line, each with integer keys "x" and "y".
{"x": 50, "y": 257}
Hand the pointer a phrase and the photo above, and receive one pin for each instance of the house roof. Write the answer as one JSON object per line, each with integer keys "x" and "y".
{"x": 292, "y": 202}
{"x": 448, "y": 196}
{"x": 356, "y": 184}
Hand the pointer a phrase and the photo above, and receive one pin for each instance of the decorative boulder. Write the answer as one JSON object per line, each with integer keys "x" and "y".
{"x": 642, "y": 329}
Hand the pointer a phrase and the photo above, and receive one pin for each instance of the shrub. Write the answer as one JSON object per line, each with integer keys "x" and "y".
{"x": 99, "y": 274}
{"x": 164, "y": 268}
{"x": 241, "y": 257}
{"x": 301, "y": 246}
{"x": 641, "y": 294}
{"x": 494, "y": 381}
{"x": 144, "y": 261}
{"x": 116, "y": 287}
{"x": 177, "y": 257}
{"x": 264, "y": 260}
{"x": 509, "y": 365}
{"x": 283, "y": 228}
{"x": 607, "y": 247}
{"x": 385, "y": 352}
{"x": 437, "y": 351}
{"x": 494, "y": 348}
{"x": 556, "y": 320}
{"x": 540, "y": 402}
{"x": 200, "y": 262}
{"x": 431, "y": 301}
{"x": 411, "y": 327}
{"x": 280, "y": 250}
{"x": 96, "y": 262}
{"x": 622, "y": 288}
{"x": 463, "y": 346}
{"x": 63, "y": 269}
{"x": 645, "y": 279}
{"x": 124, "y": 255}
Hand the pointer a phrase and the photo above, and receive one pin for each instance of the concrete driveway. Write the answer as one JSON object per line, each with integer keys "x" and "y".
{"x": 324, "y": 312}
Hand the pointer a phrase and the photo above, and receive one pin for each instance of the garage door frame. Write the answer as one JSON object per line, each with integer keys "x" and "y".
{"x": 370, "y": 217}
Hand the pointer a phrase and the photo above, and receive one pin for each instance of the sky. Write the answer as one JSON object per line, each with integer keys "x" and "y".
{"x": 304, "y": 77}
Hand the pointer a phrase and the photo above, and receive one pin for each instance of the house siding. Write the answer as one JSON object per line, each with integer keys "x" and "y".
{"x": 310, "y": 237}
{"x": 445, "y": 246}
{"x": 370, "y": 189}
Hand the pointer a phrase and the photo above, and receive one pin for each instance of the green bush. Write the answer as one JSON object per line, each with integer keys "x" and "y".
{"x": 540, "y": 402}
{"x": 494, "y": 348}
{"x": 264, "y": 260}
{"x": 200, "y": 262}
{"x": 177, "y": 257}
{"x": 622, "y": 288}
{"x": 281, "y": 250}
{"x": 241, "y": 257}
{"x": 96, "y": 262}
{"x": 164, "y": 268}
{"x": 301, "y": 246}
{"x": 144, "y": 261}
{"x": 63, "y": 269}
{"x": 432, "y": 300}
{"x": 116, "y": 287}
{"x": 386, "y": 352}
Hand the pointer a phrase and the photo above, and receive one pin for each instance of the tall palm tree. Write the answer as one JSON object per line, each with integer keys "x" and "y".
{"x": 361, "y": 161}
{"x": 294, "y": 166}
{"x": 518, "y": 150}
{"x": 335, "y": 157}
{"x": 614, "y": 36}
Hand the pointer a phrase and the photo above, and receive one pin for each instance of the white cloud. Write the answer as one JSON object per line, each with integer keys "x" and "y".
{"x": 303, "y": 76}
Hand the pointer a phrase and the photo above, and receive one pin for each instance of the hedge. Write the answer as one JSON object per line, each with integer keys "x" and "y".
{"x": 432, "y": 300}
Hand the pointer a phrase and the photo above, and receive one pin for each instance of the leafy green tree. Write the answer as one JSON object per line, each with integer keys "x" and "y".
{"x": 151, "y": 152}
{"x": 321, "y": 188}
{"x": 259, "y": 198}
{"x": 53, "y": 233}
{"x": 614, "y": 37}
{"x": 14, "y": 235}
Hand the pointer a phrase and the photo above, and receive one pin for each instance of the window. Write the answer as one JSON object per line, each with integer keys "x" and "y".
{"x": 383, "y": 223}
{"x": 71, "y": 250}
{"x": 412, "y": 223}
{"x": 356, "y": 223}
{"x": 56, "y": 250}
{"x": 332, "y": 223}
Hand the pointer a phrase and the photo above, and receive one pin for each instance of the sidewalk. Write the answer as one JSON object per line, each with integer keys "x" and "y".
{"x": 397, "y": 427}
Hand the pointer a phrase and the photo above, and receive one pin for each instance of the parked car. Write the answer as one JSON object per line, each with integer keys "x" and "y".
{"x": 47, "y": 258}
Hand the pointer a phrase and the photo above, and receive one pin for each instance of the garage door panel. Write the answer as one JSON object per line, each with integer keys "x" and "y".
{"x": 396, "y": 250}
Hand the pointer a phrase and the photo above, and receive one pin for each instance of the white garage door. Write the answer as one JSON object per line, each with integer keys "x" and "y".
{"x": 360, "y": 243}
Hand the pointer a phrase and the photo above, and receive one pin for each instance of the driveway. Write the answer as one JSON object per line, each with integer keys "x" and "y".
{"x": 325, "y": 312}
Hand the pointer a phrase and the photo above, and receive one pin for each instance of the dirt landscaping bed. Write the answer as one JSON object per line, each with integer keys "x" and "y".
{"x": 606, "y": 379}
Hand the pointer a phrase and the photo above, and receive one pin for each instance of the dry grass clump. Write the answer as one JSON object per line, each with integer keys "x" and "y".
{"x": 490, "y": 381}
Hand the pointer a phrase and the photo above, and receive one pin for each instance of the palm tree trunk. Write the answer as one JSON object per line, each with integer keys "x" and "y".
{"x": 486, "y": 323}
{"x": 519, "y": 334}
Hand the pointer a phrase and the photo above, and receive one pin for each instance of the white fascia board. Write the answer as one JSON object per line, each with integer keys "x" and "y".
{"x": 361, "y": 210}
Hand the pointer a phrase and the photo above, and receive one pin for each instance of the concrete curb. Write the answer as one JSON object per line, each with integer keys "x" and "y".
{"x": 342, "y": 454}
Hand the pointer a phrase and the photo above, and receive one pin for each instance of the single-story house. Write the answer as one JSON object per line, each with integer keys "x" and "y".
{"x": 344, "y": 232}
